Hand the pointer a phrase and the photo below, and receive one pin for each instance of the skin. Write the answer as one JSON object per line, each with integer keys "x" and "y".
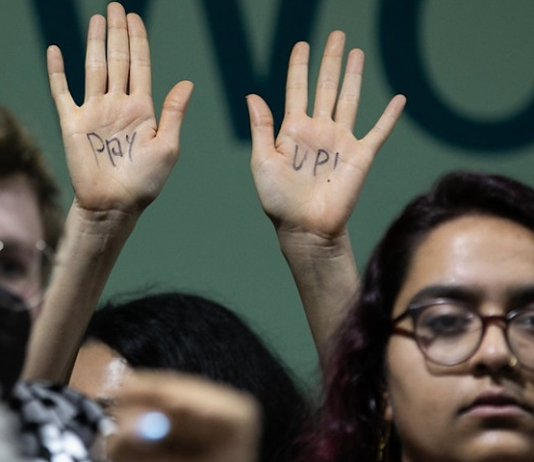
{"x": 19, "y": 211}
{"x": 311, "y": 205}
{"x": 208, "y": 422}
{"x": 20, "y": 218}
{"x": 489, "y": 259}
{"x": 111, "y": 191}
{"x": 100, "y": 373}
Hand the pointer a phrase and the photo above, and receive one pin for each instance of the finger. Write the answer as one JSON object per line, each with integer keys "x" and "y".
{"x": 297, "y": 79}
{"x": 128, "y": 442}
{"x": 154, "y": 389}
{"x": 95, "y": 58}
{"x": 58, "y": 80}
{"x": 210, "y": 422}
{"x": 118, "y": 52}
{"x": 140, "y": 70}
{"x": 261, "y": 125}
{"x": 380, "y": 132}
{"x": 202, "y": 417}
{"x": 329, "y": 72}
{"x": 349, "y": 98}
{"x": 186, "y": 399}
{"x": 172, "y": 114}
{"x": 198, "y": 414}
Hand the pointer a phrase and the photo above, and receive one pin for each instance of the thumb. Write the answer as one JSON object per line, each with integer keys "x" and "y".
{"x": 261, "y": 125}
{"x": 173, "y": 112}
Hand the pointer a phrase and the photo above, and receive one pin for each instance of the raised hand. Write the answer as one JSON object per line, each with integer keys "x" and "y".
{"x": 118, "y": 156}
{"x": 119, "y": 159}
{"x": 170, "y": 417}
{"x": 308, "y": 179}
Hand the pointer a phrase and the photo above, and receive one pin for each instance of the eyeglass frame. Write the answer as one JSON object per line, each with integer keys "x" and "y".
{"x": 415, "y": 309}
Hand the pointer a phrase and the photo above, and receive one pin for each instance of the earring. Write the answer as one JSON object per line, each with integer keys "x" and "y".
{"x": 513, "y": 362}
{"x": 383, "y": 443}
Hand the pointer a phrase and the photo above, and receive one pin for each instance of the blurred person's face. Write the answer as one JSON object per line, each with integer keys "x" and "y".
{"x": 21, "y": 240}
{"x": 21, "y": 232}
{"x": 15, "y": 325}
{"x": 99, "y": 372}
{"x": 481, "y": 409}
{"x": 21, "y": 279}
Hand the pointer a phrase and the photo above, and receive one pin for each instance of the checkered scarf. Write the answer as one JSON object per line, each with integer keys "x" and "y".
{"x": 58, "y": 424}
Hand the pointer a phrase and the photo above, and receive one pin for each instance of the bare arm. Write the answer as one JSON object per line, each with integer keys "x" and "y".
{"x": 309, "y": 177}
{"x": 119, "y": 159}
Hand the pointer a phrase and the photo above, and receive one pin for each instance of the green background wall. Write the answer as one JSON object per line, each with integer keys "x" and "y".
{"x": 207, "y": 233}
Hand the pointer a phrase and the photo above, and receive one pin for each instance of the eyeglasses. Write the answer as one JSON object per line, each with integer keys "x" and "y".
{"x": 24, "y": 269}
{"x": 449, "y": 332}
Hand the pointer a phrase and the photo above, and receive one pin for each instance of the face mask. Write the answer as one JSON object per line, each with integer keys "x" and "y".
{"x": 15, "y": 324}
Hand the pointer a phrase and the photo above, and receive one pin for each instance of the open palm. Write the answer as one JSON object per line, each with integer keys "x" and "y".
{"x": 308, "y": 179}
{"x": 118, "y": 157}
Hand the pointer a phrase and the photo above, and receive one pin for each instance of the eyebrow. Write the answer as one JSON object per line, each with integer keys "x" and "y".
{"x": 455, "y": 292}
{"x": 16, "y": 245}
{"x": 515, "y": 297}
{"x": 521, "y": 296}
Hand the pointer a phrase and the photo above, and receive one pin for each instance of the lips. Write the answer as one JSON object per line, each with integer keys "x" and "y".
{"x": 496, "y": 403}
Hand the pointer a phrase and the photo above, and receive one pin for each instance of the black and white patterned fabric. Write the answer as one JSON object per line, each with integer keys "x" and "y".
{"x": 58, "y": 424}
{"x": 9, "y": 442}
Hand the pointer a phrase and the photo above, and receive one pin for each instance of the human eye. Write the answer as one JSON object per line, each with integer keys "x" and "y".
{"x": 12, "y": 267}
{"x": 445, "y": 320}
{"x": 525, "y": 321}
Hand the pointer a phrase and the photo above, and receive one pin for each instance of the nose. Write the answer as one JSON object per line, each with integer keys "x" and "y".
{"x": 493, "y": 354}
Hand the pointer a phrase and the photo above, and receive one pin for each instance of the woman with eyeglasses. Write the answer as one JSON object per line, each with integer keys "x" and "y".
{"x": 434, "y": 359}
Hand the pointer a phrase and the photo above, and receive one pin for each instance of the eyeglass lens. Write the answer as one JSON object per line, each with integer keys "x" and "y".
{"x": 450, "y": 333}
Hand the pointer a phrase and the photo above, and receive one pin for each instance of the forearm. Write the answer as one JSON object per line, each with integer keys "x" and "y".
{"x": 326, "y": 276}
{"x": 90, "y": 247}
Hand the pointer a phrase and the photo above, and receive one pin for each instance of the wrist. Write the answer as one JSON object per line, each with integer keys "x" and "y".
{"x": 94, "y": 233}
{"x": 302, "y": 242}
{"x": 100, "y": 222}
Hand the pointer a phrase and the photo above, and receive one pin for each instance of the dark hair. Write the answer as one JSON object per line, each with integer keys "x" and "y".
{"x": 19, "y": 154}
{"x": 191, "y": 334}
{"x": 349, "y": 425}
